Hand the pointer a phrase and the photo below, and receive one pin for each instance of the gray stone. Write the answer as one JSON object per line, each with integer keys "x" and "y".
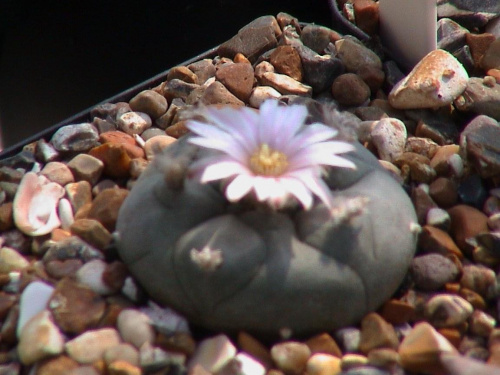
{"x": 253, "y": 39}
{"x": 354, "y": 55}
{"x": 470, "y": 13}
{"x": 482, "y": 96}
{"x": 491, "y": 59}
{"x": 318, "y": 37}
{"x": 204, "y": 69}
{"x": 481, "y": 140}
{"x": 450, "y": 35}
{"x": 75, "y": 138}
{"x": 432, "y": 271}
{"x": 177, "y": 88}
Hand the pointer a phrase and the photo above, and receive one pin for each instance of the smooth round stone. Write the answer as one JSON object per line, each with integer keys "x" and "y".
{"x": 291, "y": 357}
{"x": 479, "y": 279}
{"x": 106, "y": 205}
{"x": 134, "y": 122}
{"x": 183, "y": 73}
{"x": 34, "y": 299}
{"x": 135, "y": 328}
{"x": 349, "y": 339}
{"x": 435, "y": 81}
{"x": 323, "y": 364}
{"x": 86, "y": 167}
{"x": 389, "y": 137}
{"x": 75, "y": 138}
{"x": 122, "y": 352}
{"x": 58, "y": 365}
{"x": 149, "y": 102}
{"x": 444, "y": 310}
{"x": 376, "y": 333}
{"x": 432, "y": 271}
{"x": 11, "y": 260}
{"x": 262, "y": 93}
{"x": 39, "y": 338}
{"x": 350, "y": 90}
{"x": 156, "y": 145}
{"x": 91, "y": 275}
{"x": 90, "y": 346}
{"x": 355, "y": 55}
{"x": 324, "y": 343}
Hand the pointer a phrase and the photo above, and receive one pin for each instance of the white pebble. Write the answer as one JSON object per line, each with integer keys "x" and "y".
{"x": 389, "y": 137}
{"x": 135, "y": 328}
{"x": 65, "y": 213}
{"x": 213, "y": 354}
{"x": 91, "y": 273}
{"x": 261, "y": 94}
{"x": 134, "y": 122}
{"x": 90, "y": 346}
{"x": 33, "y": 300}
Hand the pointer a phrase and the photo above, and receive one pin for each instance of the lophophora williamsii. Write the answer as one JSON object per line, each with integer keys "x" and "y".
{"x": 265, "y": 220}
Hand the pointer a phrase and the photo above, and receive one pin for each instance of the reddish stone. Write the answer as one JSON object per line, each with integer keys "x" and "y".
{"x": 324, "y": 343}
{"x": 6, "y": 218}
{"x": 478, "y": 44}
{"x": 106, "y": 205}
{"x": 255, "y": 348}
{"x": 62, "y": 268}
{"x": 178, "y": 129}
{"x": 183, "y": 73}
{"x": 435, "y": 240}
{"x": 238, "y": 78}
{"x": 367, "y": 15}
{"x": 114, "y": 275}
{"x": 75, "y": 307}
{"x": 117, "y": 137}
{"x": 466, "y": 222}
{"x": 443, "y": 191}
{"x": 286, "y": 60}
{"x": 377, "y": 333}
{"x": 397, "y": 312}
{"x": 115, "y": 158}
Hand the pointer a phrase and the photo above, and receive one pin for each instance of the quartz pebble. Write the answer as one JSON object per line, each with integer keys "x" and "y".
{"x": 75, "y": 138}
{"x": 435, "y": 81}
{"x": 134, "y": 122}
{"x": 212, "y": 354}
{"x": 135, "y": 328}
{"x": 58, "y": 172}
{"x": 34, "y": 299}
{"x": 90, "y": 346}
{"x": 291, "y": 357}
{"x": 389, "y": 137}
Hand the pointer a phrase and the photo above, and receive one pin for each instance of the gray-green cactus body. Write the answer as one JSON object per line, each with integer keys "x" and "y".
{"x": 260, "y": 270}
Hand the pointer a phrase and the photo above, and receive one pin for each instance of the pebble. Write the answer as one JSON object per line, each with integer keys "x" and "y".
{"x": 183, "y": 73}
{"x": 286, "y": 60}
{"x": 45, "y": 151}
{"x": 134, "y": 122}
{"x": 91, "y": 275}
{"x": 323, "y": 364}
{"x": 376, "y": 333}
{"x": 480, "y": 139}
{"x": 176, "y": 88}
{"x": 318, "y": 37}
{"x": 122, "y": 352}
{"x": 256, "y": 349}
{"x": 285, "y": 84}
{"x": 135, "y": 328}
{"x": 262, "y": 93}
{"x": 389, "y": 137}
{"x": 59, "y": 365}
{"x": 75, "y": 138}
{"x": 39, "y": 339}
{"x": 435, "y": 240}
{"x": 92, "y": 232}
{"x": 6, "y": 217}
{"x": 355, "y": 56}
{"x": 212, "y": 354}
{"x": 204, "y": 70}
{"x": 450, "y": 35}
{"x": 491, "y": 58}
{"x": 151, "y": 133}
{"x": 349, "y": 339}
{"x": 86, "y": 167}
{"x": 90, "y": 346}
{"x": 446, "y": 311}
{"x": 479, "y": 279}
{"x": 11, "y": 260}
{"x": 114, "y": 158}
{"x": 353, "y": 361}
{"x": 123, "y": 368}
{"x": 105, "y": 207}
{"x": 58, "y": 172}
{"x": 70, "y": 248}
{"x": 75, "y": 307}
{"x": 79, "y": 194}
{"x": 481, "y": 323}
{"x": 397, "y": 312}
{"x": 253, "y": 39}
{"x": 319, "y": 70}
{"x": 466, "y": 222}
{"x": 433, "y": 271}
{"x": 422, "y": 347}
{"x": 478, "y": 45}
{"x": 443, "y": 191}
{"x": 62, "y": 268}
{"x": 156, "y": 145}
{"x": 439, "y": 218}
{"x": 290, "y": 356}
{"x": 217, "y": 93}
{"x": 238, "y": 78}
{"x": 350, "y": 90}
{"x": 481, "y": 96}
{"x": 34, "y": 299}
{"x": 150, "y": 102}
{"x": 325, "y": 344}
{"x": 242, "y": 364}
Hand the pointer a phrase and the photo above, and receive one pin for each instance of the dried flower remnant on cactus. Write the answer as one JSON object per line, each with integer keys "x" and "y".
{"x": 271, "y": 154}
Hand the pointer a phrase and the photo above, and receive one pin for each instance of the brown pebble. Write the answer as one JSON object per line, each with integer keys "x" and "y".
{"x": 238, "y": 78}
{"x": 124, "y": 139}
{"x": 115, "y": 158}
{"x": 62, "y": 268}
{"x": 422, "y": 203}
{"x": 290, "y": 356}
{"x": 441, "y": 160}
{"x": 255, "y": 348}
{"x": 240, "y": 58}
{"x": 150, "y": 102}
{"x": 350, "y": 90}
{"x": 6, "y": 302}
{"x": 106, "y": 205}
{"x": 443, "y": 191}
{"x": 114, "y": 275}
{"x": 6, "y": 217}
{"x": 178, "y": 342}
{"x": 323, "y": 343}
{"x": 86, "y": 167}
{"x": 75, "y": 307}
{"x": 453, "y": 335}
{"x": 123, "y": 368}
{"x": 286, "y": 60}
{"x": 92, "y": 232}
{"x": 473, "y": 298}
{"x": 58, "y": 172}
{"x": 183, "y": 73}
{"x": 217, "y": 93}
{"x": 79, "y": 194}
{"x": 384, "y": 358}
{"x": 466, "y": 222}
{"x": 366, "y": 15}
{"x": 59, "y": 365}
{"x": 397, "y": 312}
{"x": 178, "y": 129}
{"x": 377, "y": 333}
{"x": 435, "y": 240}
{"x": 420, "y": 169}
{"x": 479, "y": 279}
{"x": 478, "y": 45}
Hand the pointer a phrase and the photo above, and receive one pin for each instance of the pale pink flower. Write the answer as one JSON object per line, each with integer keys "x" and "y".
{"x": 270, "y": 154}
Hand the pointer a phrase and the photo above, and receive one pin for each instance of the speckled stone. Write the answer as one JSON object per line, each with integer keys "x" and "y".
{"x": 79, "y": 194}
{"x": 389, "y": 137}
{"x": 481, "y": 96}
{"x": 479, "y": 279}
{"x": 75, "y": 138}
{"x": 90, "y": 346}
{"x": 217, "y": 93}
{"x": 149, "y": 102}
{"x": 285, "y": 84}
{"x": 286, "y": 60}
{"x": 75, "y": 307}
{"x": 447, "y": 310}
{"x": 134, "y": 122}
{"x": 432, "y": 271}
{"x": 434, "y": 82}
{"x": 58, "y": 172}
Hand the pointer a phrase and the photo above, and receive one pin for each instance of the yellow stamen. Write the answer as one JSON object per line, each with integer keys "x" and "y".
{"x": 268, "y": 162}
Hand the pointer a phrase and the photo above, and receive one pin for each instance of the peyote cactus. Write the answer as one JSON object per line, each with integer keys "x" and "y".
{"x": 234, "y": 256}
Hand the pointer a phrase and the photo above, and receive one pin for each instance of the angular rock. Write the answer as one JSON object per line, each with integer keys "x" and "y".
{"x": 435, "y": 81}
{"x": 86, "y": 167}
{"x": 481, "y": 96}
{"x": 389, "y": 137}
{"x": 253, "y": 39}
{"x": 58, "y": 172}
{"x": 134, "y": 122}
{"x": 377, "y": 333}
{"x": 285, "y": 84}
{"x": 491, "y": 59}
{"x": 150, "y": 102}
{"x": 91, "y": 231}
{"x": 238, "y": 78}
{"x": 114, "y": 158}
{"x": 217, "y": 93}
{"x": 286, "y": 60}
{"x": 79, "y": 194}
{"x": 466, "y": 222}
{"x": 450, "y": 35}
{"x": 106, "y": 205}
{"x": 447, "y": 310}
{"x": 318, "y": 37}
{"x": 176, "y": 88}
{"x": 90, "y": 346}
{"x": 212, "y": 354}
{"x": 262, "y": 93}
{"x": 135, "y": 328}
{"x": 478, "y": 45}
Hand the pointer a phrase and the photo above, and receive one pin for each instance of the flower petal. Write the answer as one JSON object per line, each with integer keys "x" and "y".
{"x": 239, "y": 187}
{"x": 298, "y": 190}
{"x": 218, "y": 171}
{"x": 315, "y": 184}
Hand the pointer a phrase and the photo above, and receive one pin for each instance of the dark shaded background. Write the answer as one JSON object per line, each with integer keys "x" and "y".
{"x": 58, "y": 58}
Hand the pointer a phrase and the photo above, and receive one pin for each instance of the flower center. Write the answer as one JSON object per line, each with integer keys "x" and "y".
{"x": 268, "y": 162}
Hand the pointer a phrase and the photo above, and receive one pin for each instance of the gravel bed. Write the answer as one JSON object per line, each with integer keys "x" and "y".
{"x": 69, "y": 305}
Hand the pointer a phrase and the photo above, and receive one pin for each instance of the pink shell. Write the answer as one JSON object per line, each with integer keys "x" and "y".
{"x": 35, "y": 205}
